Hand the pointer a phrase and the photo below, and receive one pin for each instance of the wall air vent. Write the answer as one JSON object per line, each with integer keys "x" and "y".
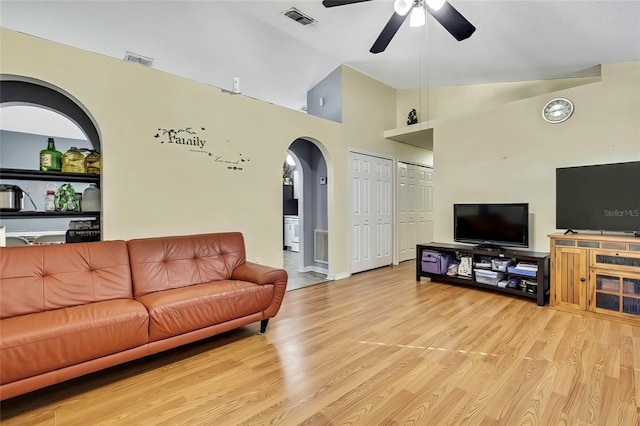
{"x": 321, "y": 245}
{"x": 298, "y": 16}
{"x": 138, "y": 59}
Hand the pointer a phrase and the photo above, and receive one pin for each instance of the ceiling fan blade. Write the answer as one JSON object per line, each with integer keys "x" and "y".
{"x": 453, "y": 21}
{"x": 332, "y": 3}
{"x": 388, "y": 32}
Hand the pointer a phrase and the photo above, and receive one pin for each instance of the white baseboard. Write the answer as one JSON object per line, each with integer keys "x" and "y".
{"x": 339, "y": 276}
{"x": 319, "y": 270}
{"x": 316, "y": 269}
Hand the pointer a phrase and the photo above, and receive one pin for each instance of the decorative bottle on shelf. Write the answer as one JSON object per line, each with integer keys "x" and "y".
{"x": 50, "y": 158}
{"x": 73, "y": 161}
{"x": 92, "y": 162}
{"x": 50, "y": 201}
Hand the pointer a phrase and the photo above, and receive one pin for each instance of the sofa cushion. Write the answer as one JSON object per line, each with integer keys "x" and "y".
{"x": 164, "y": 263}
{"x": 37, "y": 343}
{"x": 40, "y": 278}
{"x": 185, "y": 309}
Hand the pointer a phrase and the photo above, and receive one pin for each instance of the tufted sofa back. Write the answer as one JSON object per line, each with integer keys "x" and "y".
{"x": 170, "y": 262}
{"x": 42, "y": 278}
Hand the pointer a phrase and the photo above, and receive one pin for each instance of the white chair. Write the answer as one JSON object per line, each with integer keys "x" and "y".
{"x": 50, "y": 239}
{"x": 16, "y": 241}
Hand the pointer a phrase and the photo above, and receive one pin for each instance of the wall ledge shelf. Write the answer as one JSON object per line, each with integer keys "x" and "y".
{"x": 419, "y": 134}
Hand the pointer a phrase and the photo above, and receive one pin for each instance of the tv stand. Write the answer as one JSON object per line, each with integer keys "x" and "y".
{"x": 570, "y": 231}
{"x": 541, "y": 260}
{"x": 489, "y": 248}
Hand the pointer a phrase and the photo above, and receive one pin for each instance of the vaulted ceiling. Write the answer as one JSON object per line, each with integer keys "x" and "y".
{"x": 278, "y": 60}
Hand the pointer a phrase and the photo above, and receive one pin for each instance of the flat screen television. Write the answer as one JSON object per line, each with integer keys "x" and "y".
{"x": 492, "y": 225}
{"x": 603, "y": 197}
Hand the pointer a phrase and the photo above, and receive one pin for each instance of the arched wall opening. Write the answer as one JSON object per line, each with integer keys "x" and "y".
{"x": 16, "y": 90}
{"x": 33, "y": 110}
{"x": 312, "y": 205}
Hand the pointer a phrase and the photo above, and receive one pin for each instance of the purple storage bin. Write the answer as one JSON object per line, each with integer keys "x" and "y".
{"x": 434, "y": 262}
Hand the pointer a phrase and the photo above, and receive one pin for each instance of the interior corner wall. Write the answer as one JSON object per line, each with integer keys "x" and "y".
{"x": 325, "y": 98}
{"x": 181, "y": 157}
{"x": 506, "y": 152}
{"x": 369, "y": 108}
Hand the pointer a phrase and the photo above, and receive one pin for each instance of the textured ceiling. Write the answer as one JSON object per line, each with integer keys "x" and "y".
{"x": 278, "y": 60}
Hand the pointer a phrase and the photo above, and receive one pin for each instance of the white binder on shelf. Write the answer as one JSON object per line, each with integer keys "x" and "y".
{"x": 465, "y": 267}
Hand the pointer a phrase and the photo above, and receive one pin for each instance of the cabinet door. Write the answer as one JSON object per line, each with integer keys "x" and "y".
{"x": 288, "y": 232}
{"x": 569, "y": 287}
{"x": 295, "y": 231}
{"x": 615, "y": 293}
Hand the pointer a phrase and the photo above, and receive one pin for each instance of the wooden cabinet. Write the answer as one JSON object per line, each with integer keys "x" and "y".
{"x": 596, "y": 273}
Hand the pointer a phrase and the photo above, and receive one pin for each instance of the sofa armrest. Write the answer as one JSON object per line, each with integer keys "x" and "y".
{"x": 259, "y": 274}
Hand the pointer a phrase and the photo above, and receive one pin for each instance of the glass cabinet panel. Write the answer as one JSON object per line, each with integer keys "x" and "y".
{"x": 632, "y": 262}
{"x": 615, "y": 293}
{"x": 610, "y": 302}
{"x": 631, "y": 305}
{"x": 607, "y": 283}
{"x": 631, "y": 286}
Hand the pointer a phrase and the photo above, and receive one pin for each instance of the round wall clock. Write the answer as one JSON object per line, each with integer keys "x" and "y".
{"x": 557, "y": 110}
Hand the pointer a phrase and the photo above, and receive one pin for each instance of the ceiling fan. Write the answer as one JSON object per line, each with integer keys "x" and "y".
{"x": 443, "y": 12}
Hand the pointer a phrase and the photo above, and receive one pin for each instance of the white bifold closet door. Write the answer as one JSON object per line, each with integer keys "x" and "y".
{"x": 371, "y": 211}
{"x": 415, "y": 208}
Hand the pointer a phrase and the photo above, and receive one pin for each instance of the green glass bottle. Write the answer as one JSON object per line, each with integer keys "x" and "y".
{"x": 50, "y": 159}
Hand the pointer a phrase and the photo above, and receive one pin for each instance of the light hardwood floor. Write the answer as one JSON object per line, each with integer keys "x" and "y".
{"x": 374, "y": 349}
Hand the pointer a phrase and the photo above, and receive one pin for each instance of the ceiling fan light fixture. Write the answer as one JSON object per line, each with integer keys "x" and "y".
{"x": 435, "y": 4}
{"x": 417, "y": 18}
{"x": 402, "y": 7}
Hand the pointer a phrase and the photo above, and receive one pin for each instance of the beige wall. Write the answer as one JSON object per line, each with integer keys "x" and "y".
{"x": 152, "y": 189}
{"x": 506, "y": 152}
{"x": 451, "y": 101}
{"x": 490, "y": 144}
{"x": 368, "y": 110}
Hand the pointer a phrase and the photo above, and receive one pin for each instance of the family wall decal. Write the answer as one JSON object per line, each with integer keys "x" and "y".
{"x": 189, "y": 138}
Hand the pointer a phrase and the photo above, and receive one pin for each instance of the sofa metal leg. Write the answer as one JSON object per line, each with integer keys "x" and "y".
{"x": 263, "y": 326}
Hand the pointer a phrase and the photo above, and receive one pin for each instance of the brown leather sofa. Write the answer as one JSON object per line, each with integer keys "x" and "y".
{"x": 71, "y": 309}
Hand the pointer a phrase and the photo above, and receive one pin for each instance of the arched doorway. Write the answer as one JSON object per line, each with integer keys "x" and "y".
{"x": 311, "y": 262}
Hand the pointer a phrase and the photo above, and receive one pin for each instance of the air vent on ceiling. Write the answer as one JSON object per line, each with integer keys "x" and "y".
{"x": 298, "y": 16}
{"x": 139, "y": 59}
